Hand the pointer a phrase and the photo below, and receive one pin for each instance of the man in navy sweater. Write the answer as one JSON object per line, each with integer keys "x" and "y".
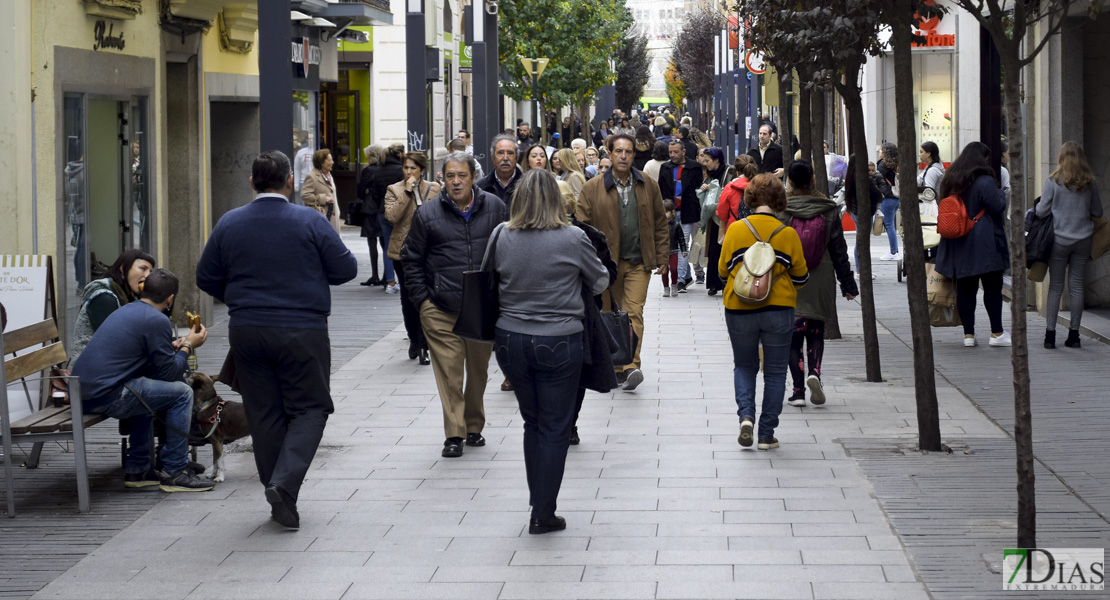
{"x": 272, "y": 263}
{"x": 133, "y": 368}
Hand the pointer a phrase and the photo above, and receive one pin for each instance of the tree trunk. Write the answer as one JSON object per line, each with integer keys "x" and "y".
{"x": 805, "y": 102}
{"x": 854, "y": 105}
{"x": 786, "y": 120}
{"x": 816, "y": 132}
{"x": 1023, "y": 420}
{"x": 924, "y": 373}
{"x": 817, "y": 135}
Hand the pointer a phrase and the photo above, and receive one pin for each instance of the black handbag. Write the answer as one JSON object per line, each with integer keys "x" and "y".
{"x": 480, "y": 304}
{"x": 622, "y": 342}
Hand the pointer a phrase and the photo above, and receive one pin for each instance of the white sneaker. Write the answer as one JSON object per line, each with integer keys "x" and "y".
{"x": 674, "y": 291}
{"x": 1002, "y": 340}
{"x": 666, "y": 291}
{"x": 816, "y": 392}
{"x": 890, "y": 257}
{"x": 635, "y": 378}
{"x": 393, "y": 289}
{"x": 969, "y": 342}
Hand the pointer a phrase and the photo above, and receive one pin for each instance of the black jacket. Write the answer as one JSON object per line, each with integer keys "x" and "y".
{"x": 389, "y": 173}
{"x": 597, "y": 364}
{"x": 442, "y": 244}
{"x": 769, "y": 163}
{"x": 492, "y": 185}
{"x": 690, "y": 211}
{"x": 370, "y": 226}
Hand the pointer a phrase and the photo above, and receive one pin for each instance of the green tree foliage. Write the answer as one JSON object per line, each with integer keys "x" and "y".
{"x": 633, "y": 71}
{"x": 578, "y": 37}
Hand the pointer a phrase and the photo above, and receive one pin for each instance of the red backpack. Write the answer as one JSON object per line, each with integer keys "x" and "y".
{"x": 812, "y": 233}
{"x": 952, "y": 220}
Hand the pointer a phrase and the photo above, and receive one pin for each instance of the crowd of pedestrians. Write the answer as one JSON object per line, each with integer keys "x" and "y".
{"x": 573, "y": 224}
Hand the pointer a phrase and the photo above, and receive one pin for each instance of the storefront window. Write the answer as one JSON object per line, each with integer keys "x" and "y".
{"x": 74, "y": 197}
{"x": 304, "y": 134}
{"x": 933, "y": 74}
{"x": 140, "y": 177}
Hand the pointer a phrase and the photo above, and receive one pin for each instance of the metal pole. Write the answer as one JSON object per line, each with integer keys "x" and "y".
{"x": 478, "y": 76}
{"x": 416, "y": 78}
{"x": 275, "y": 78}
{"x": 535, "y": 99}
{"x": 493, "y": 76}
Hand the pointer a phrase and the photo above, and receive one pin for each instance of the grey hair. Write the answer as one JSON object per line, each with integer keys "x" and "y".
{"x": 461, "y": 157}
{"x": 501, "y": 137}
{"x": 375, "y": 154}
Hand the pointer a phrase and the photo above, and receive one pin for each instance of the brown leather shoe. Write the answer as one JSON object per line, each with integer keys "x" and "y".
{"x": 506, "y": 386}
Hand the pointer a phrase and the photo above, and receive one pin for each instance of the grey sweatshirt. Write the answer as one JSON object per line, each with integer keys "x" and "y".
{"x": 541, "y": 274}
{"x": 1071, "y": 210}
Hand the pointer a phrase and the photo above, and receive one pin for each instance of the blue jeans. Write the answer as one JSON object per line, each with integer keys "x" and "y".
{"x": 774, "y": 329}
{"x": 387, "y": 263}
{"x": 890, "y": 211}
{"x": 544, "y": 371}
{"x": 175, "y": 399}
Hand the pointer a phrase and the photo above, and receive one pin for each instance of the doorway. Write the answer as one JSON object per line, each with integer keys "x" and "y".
{"x": 107, "y": 197}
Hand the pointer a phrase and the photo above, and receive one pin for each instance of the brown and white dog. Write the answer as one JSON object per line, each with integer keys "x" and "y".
{"x": 232, "y": 424}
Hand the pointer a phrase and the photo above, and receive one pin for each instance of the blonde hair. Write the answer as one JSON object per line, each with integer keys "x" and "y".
{"x": 1072, "y": 169}
{"x": 537, "y": 203}
{"x": 569, "y": 161}
{"x": 569, "y": 199}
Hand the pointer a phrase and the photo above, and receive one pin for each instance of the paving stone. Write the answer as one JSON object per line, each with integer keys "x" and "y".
{"x": 785, "y": 590}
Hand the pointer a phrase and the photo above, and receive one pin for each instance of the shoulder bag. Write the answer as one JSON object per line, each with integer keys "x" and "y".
{"x": 622, "y": 341}
{"x": 480, "y": 302}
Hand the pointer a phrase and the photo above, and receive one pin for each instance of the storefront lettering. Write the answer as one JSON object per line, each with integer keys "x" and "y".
{"x": 303, "y": 52}
{"x": 103, "y": 38}
{"x": 934, "y": 40}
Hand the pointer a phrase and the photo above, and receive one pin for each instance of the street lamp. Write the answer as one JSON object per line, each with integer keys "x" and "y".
{"x": 535, "y": 67}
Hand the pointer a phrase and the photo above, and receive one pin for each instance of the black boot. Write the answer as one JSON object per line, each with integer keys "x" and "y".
{"x": 1073, "y": 339}
{"x": 424, "y": 358}
{"x": 1049, "y": 339}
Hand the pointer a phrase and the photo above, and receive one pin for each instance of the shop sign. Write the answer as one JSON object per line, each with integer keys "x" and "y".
{"x": 466, "y": 59}
{"x": 305, "y": 54}
{"x": 104, "y": 36}
{"x": 930, "y": 30}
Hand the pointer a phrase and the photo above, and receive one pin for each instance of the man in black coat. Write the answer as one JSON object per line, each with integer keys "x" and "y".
{"x": 767, "y": 155}
{"x": 390, "y": 173}
{"x": 448, "y": 236}
{"x": 501, "y": 182}
{"x": 679, "y": 180}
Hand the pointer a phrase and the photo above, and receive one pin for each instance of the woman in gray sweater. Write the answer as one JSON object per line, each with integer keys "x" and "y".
{"x": 541, "y": 262}
{"x": 1071, "y": 197}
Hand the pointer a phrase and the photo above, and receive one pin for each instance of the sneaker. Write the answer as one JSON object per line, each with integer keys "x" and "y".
{"x": 891, "y": 256}
{"x": 798, "y": 398}
{"x": 816, "y": 392}
{"x": 700, "y": 280}
{"x": 745, "y": 438}
{"x": 148, "y": 478}
{"x": 666, "y": 291}
{"x": 767, "y": 443}
{"x": 393, "y": 289}
{"x": 1002, "y": 340}
{"x": 185, "y": 481}
{"x": 633, "y": 379}
{"x": 674, "y": 291}
{"x": 682, "y": 287}
{"x": 969, "y": 341}
{"x": 622, "y": 377}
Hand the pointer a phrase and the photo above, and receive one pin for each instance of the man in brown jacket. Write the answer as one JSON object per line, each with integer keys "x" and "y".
{"x": 626, "y": 206}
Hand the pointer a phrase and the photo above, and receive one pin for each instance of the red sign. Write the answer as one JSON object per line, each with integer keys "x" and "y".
{"x": 733, "y": 33}
{"x": 928, "y": 30}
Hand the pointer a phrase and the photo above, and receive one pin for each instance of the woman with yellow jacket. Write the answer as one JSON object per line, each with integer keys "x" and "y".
{"x": 770, "y": 322}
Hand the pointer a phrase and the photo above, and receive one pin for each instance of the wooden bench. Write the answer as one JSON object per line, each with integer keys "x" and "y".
{"x": 49, "y": 423}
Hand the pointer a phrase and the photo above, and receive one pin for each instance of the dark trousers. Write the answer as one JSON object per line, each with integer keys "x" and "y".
{"x": 410, "y": 312}
{"x": 967, "y": 289}
{"x": 712, "y": 257}
{"x": 544, "y": 371}
{"x": 284, "y": 379}
{"x": 811, "y": 334}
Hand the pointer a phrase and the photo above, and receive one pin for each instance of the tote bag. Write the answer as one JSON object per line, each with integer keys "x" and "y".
{"x": 622, "y": 342}
{"x": 480, "y": 303}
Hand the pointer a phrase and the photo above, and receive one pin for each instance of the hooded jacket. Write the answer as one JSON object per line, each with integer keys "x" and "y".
{"x": 730, "y": 205}
{"x": 817, "y": 300}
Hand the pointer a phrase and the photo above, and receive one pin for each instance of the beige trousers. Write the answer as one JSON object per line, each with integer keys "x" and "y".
{"x": 630, "y": 291}
{"x": 463, "y": 409}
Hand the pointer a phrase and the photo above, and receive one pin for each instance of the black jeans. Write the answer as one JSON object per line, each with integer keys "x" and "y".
{"x": 544, "y": 371}
{"x": 284, "y": 379}
{"x": 967, "y": 288}
{"x": 410, "y": 312}
{"x": 811, "y": 334}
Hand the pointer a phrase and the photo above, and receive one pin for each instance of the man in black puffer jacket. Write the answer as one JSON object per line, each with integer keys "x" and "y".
{"x": 449, "y": 236}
